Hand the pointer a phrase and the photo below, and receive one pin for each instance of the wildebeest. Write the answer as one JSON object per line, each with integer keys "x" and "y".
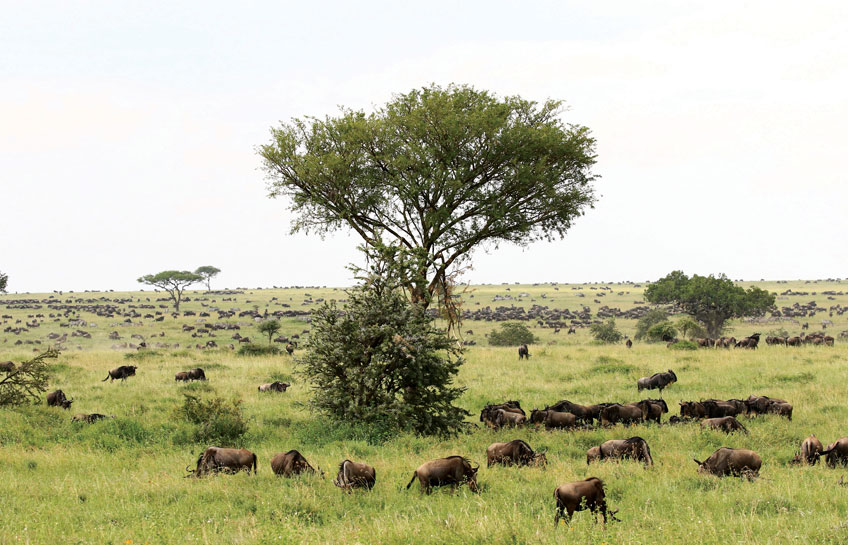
{"x": 625, "y": 414}
{"x": 628, "y": 343}
{"x": 508, "y": 418}
{"x": 811, "y": 449}
{"x": 634, "y": 448}
{"x": 7, "y": 366}
{"x": 593, "y": 455}
{"x": 523, "y": 352}
{"x": 230, "y": 460}
{"x": 181, "y": 376}
{"x": 489, "y": 412}
{"x": 290, "y": 463}
{"x": 836, "y": 452}
{"x": 275, "y": 386}
{"x": 731, "y": 461}
{"x": 656, "y": 381}
{"x": 58, "y": 399}
{"x": 515, "y": 452}
{"x": 121, "y": 372}
{"x": 652, "y": 409}
{"x": 577, "y": 496}
{"x": 89, "y": 418}
{"x": 717, "y": 408}
{"x": 727, "y": 424}
{"x": 355, "y": 475}
{"x": 290, "y": 348}
{"x": 196, "y": 374}
{"x": 749, "y": 342}
{"x": 586, "y": 413}
{"x": 453, "y": 470}
{"x": 553, "y": 419}
{"x": 763, "y": 405}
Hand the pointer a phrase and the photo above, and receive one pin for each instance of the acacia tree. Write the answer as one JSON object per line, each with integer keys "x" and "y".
{"x": 27, "y": 381}
{"x": 4, "y": 279}
{"x": 436, "y": 172}
{"x": 207, "y": 272}
{"x": 711, "y": 300}
{"x": 173, "y": 282}
{"x": 270, "y": 328}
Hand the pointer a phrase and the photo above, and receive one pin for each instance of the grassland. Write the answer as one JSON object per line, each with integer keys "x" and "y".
{"x": 121, "y": 480}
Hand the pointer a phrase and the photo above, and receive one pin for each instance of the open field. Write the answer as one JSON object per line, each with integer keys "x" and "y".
{"x": 120, "y": 481}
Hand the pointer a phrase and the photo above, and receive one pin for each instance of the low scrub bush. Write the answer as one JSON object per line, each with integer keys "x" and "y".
{"x": 661, "y": 332}
{"x": 606, "y": 332}
{"x": 512, "y": 334}
{"x": 684, "y": 345}
{"x": 216, "y": 420}
{"x": 251, "y": 349}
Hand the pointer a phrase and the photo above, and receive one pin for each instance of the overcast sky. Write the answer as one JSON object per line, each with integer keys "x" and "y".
{"x": 128, "y": 131}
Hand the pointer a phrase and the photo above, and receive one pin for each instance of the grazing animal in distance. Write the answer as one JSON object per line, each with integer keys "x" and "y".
{"x": 453, "y": 470}
{"x": 230, "y": 460}
{"x": 628, "y": 343}
{"x": 121, "y": 372}
{"x": 587, "y": 494}
{"x": 355, "y": 475}
{"x": 275, "y": 386}
{"x": 7, "y": 366}
{"x": 516, "y": 452}
{"x": 196, "y": 374}
{"x": 656, "y": 381}
{"x": 291, "y": 463}
{"x": 727, "y": 424}
{"x": 58, "y": 399}
{"x": 731, "y": 461}
{"x": 523, "y": 352}
{"x": 290, "y": 348}
{"x": 634, "y": 448}
{"x": 181, "y": 376}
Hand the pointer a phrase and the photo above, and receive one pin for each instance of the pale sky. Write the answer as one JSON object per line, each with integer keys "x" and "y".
{"x": 128, "y": 131}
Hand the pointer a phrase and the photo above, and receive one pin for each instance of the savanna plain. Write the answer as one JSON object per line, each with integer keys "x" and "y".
{"x": 122, "y": 480}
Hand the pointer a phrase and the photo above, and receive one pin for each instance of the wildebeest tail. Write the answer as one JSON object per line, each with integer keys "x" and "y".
{"x": 254, "y": 463}
{"x": 414, "y": 475}
{"x": 107, "y": 377}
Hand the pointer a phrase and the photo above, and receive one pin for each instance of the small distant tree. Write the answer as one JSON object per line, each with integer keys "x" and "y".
{"x": 606, "y": 332}
{"x": 207, "y": 272}
{"x": 173, "y": 282}
{"x": 512, "y": 334}
{"x": 270, "y": 328}
{"x": 653, "y": 316}
{"x": 4, "y": 279}
{"x": 26, "y": 382}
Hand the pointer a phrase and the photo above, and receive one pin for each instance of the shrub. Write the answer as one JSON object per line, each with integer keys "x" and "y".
{"x": 650, "y": 318}
{"x": 690, "y": 328}
{"x": 662, "y": 331}
{"x": 606, "y": 332}
{"x": 512, "y": 334}
{"x": 684, "y": 345}
{"x": 251, "y": 349}
{"x": 778, "y": 333}
{"x": 216, "y": 420}
{"x": 26, "y": 382}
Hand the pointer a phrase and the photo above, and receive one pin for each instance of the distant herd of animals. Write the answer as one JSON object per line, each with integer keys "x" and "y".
{"x": 587, "y": 494}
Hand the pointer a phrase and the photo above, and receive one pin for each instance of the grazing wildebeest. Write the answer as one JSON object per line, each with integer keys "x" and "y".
{"x": 230, "y": 460}
{"x": 577, "y": 496}
{"x": 515, "y": 452}
{"x": 836, "y": 452}
{"x": 634, "y": 448}
{"x": 628, "y": 343}
{"x": 727, "y": 424}
{"x": 88, "y": 418}
{"x": 508, "y": 418}
{"x": 523, "y": 352}
{"x": 7, "y": 366}
{"x": 765, "y": 405}
{"x": 181, "y": 376}
{"x": 811, "y": 449}
{"x": 196, "y": 374}
{"x": 121, "y": 372}
{"x": 58, "y": 399}
{"x": 553, "y": 419}
{"x": 290, "y": 463}
{"x": 355, "y": 475}
{"x": 656, "y": 381}
{"x": 731, "y": 461}
{"x": 749, "y": 342}
{"x": 625, "y": 414}
{"x": 276, "y": 386}
{"x": 593, "y": 455}
{"x": 489, "y": 412}
{"x": 652, "y": 409}
{"x": 717, "y": 408}
{"x": 453, "y": 470}
{"x": 290, "y": 348}
{"x": 582, "y": 412}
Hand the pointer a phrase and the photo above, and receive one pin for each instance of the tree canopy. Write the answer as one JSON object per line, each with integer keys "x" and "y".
{"x": 711, "y": 300}
{"x": 270, "y": 328}
{"x": 28, "y": 381}
{"x": 173, "y": 282}
{"x": 207, "y": 272}
{"x": 4, "y": 280}
{"x": 438, "y": 172}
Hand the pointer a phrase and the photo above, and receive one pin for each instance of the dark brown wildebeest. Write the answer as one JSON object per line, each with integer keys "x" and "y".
{"x": 586, "y": 413}
{"x": 58, "y": 399}
{"x": 577, "y": 496}
{"x": 515, "y": 452}
{"x": 717, "y": 408}
{"x": 749, "y": 342}
{"x": 781, "y": 408}
{"x": 811, "y": 449}
{"x": 355, "y": 475}
{"x": 731, "y": 461}
{"x": 656, "y": 381}
{"x": 290, "y": 348}
{"x": 625, "y": 414}
{"x": 794, "y": 341}
{"x": 276, "y": 386}
{"x": 508, "y": 418}
{"x": 523, "y": 352}
{"x": 593, "y": 455}
{"x": 634, "y": 448}
{"x": 453, "y": 470}
{"x": 553, "y": 419}
{"x": 229, "y": 460}
{"x": 88, "y": 418}
{"x": 181, "y": 376}
{"x": 121, "y": 372}
{"x": 836, "y": 452}
{"x": 727, "y": 424}
{"x": 489, "y": 412}
{"x": 7, "y": 366}
{"x": 290, "y": 463}
{"x": 768, "y": 405}
{"x": 628, "y": 343}
{"x": 196, "y": 374}
{"x": 652, "y": 409}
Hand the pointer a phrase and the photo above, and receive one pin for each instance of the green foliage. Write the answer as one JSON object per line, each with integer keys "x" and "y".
{"x": 438, "y": 170}
{"x": 173, "y": 282}
{"x": 252, "y": 349}
{"x": 690, "y": 328}
{"x": 606, "y": 332}
{"x": 512, "y": 334}
{"x": 684, "y": 345}
{"x": 663, "y": 331}
{"x": 216, "y": 420}
{"x": 653, "y": 316}
{"x": 382, "y": 362}
{"x": 779, "y": 332}
{"x": 709, "y": 299}
{"x": 270, "y": 328}
{"x": 207, "y": 272}
{"x": 27, "y": 381}
{"x": 4, "y": 280}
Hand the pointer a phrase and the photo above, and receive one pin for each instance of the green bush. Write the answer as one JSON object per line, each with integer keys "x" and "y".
{"x": 251, "y": 349}
{"x": 512, "y": 334}
{"x": 216, "y": 420}
{"x": 650, "y": 318}
{"x": 606, "y": 332}
{"x": 684, "y": 345}
{"x": 690, "y": 328}
{"x": 660, "y": 331}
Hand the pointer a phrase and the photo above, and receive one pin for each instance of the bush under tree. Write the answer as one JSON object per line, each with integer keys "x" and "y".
{"x": 661, "y": 332}
{"x": 606, "y": 332}
{"x": 512, "y": 334}
{"x": 653, "y": 316}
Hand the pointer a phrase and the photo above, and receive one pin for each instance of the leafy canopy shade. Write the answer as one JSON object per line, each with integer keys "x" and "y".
{"x": 438, "y": 171}
{"x": 173, "y": 282}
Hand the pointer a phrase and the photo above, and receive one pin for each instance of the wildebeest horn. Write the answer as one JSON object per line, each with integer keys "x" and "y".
{"x": 697, "y": 462}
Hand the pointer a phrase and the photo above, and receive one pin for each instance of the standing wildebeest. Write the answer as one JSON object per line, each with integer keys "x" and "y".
{"x": 626, "y": 414}
{"x": 453, "y": 470}
{"x": 121, "y": 372}
{"x": 717, "y": 408}
{"x": 749, "y": 342}
{"x": 355, "y": 475}
{"x": 836, "y": 452}
{"x": 656, "y": 381}
{"x": 811, "y": 449}
{"x": 727, "y": 424}
{"x": 276, "y": 386}
{"x": 230, "y": 460}
{"x": 508, "y": 418}
{"x": 515, "y": 452}
{"x": 181, "y": 376}
{"x": 628, "y": 343}
{"x": 7, "y": 366}
{"x": 523, "y": 352}
{"x": 58, "y": 399}
{"x": 634, "y": 448}
{"x": 763, "y": 405}
{"x": 553, "y": 419}
{"x": 652, "y": 409}
{"x": 196, "y": 374}
{"x": 577, "y": 496}
{"x": 586, "y": 413}
{"x": 731, "y": 461}
{"x": 290, "y": 463}
{"x": 489, "y": 412}
{"x": 88, "y": 418}
{"x": 290, "y": 348}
